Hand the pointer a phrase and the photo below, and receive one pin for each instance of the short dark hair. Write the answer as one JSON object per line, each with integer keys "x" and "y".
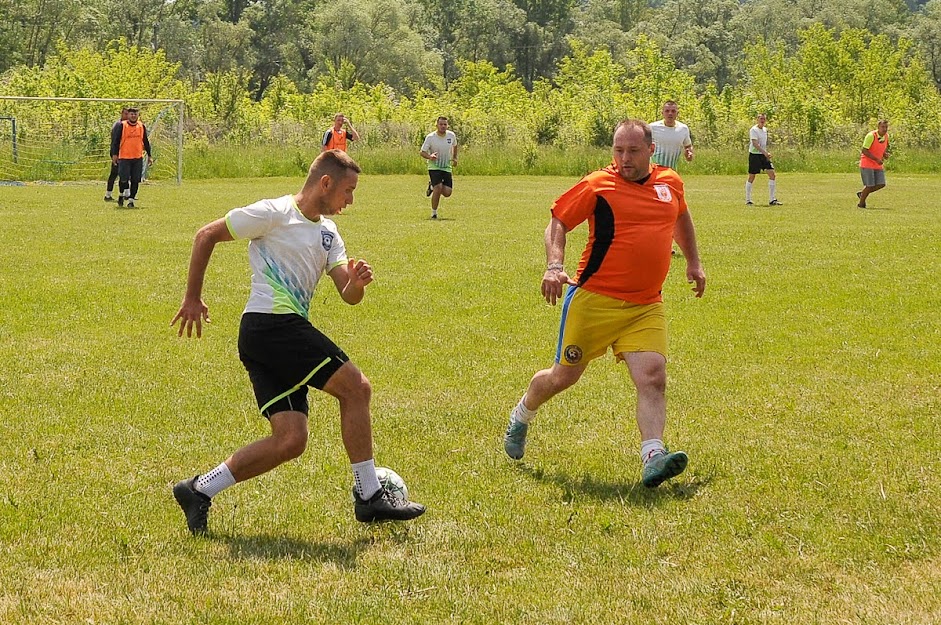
{"x": 636, "y": 123}
{"x": 334, "y": 163}
{"x": 132, "y": 109}
{"x": 673, "y": 102}
{"x": 440, "y": 117}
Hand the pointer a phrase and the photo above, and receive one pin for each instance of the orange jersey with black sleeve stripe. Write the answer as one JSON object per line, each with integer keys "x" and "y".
{"x": 630, "y": 231}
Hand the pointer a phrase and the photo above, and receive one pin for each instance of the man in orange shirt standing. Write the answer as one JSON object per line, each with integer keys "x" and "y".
{"x": 635, "y": 210}
{"x": 875, "y": 151}
{"x": 129, "y": 143}
{"x": 338, "y": 136}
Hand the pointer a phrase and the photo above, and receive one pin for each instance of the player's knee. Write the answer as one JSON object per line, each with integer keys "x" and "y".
{"x": 350, "y": 384}
{"x": 446, "y": 191}
{"x": 293, "y": 445}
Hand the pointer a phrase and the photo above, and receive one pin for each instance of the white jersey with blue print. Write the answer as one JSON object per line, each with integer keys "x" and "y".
{"x": 287, "y": 253}
{"x": 669, "y": 142}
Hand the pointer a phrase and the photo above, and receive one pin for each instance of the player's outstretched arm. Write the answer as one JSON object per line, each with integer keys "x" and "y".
{"x": 351, "y": 280}
{"x": 193, "y": 311}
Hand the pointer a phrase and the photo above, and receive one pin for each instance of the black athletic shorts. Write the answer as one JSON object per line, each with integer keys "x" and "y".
{"x": 439, "y": 175}
{"x": 757, "y": 163}
{"x": 284, "y": 354}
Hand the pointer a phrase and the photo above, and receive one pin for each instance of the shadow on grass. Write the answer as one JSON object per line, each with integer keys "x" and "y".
{"x": 266, "y": 547}
{"x": 684, "y": 487}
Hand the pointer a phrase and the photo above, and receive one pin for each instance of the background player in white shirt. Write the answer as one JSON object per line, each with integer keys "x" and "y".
{"x": 440, "y": 150}
{"x": 670, "y": 137}
{"x": 759, "y": 160}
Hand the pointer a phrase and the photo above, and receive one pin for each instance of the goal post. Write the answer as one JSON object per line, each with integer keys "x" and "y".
{"x": 69, "y": 139}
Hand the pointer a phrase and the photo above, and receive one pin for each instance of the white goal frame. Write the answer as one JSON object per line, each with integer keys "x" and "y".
{"x": 179, "y": 104}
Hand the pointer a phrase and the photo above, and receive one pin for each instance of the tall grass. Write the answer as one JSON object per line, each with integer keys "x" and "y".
{"x": 804, "y": 386}
{"x": 240, "y": 161}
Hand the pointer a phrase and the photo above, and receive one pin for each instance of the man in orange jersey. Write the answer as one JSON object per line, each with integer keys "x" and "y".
{"x": 875, "y": 151}
{"x": 129, "y": 143}
{"x": 339, "y": 135}
{"x": 113, "y": 174}
{"x": 634, "y": 209}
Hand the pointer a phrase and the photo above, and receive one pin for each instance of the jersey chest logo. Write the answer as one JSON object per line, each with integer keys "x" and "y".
{"x": 663, "y": 192}
{"x": 327, "y": 239}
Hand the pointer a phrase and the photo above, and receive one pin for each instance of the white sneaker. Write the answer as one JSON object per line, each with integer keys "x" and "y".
{"x": 130, "y": 202}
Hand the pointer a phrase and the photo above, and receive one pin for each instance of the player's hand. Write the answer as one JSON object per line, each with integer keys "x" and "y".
{"x": 360, "y": 273}
{"x": 433, "y": 156}
{"x": 553, "y": 282}
{"x": 696, "y": 274}
{"x": 150, "y": 161}
{"x": 114, "y": 160}
{"x": 191, "y": 313}
{"x": 689, "y": 155}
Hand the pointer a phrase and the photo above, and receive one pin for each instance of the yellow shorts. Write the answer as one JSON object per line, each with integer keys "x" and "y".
{"x": 592, "y": 323}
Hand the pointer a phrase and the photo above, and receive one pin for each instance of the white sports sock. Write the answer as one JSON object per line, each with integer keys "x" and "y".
{"x": 214, "y": 482}
{"x": 649, "y": 447}
{"x": 521, "y": 413}
{"x": 748, "y": 191}
{"x": 771, "y": 190}
{"x": 364, "y": 475}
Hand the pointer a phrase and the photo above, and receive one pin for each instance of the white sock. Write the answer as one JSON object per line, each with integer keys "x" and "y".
{"x": 771, "y": 190}
{"x": 748, "y": 191}
{"x": 650, "y": 447}
{"x": 521, "y": 413}
{"x": 364, "y": 475}
{"x": 214, "y": 482}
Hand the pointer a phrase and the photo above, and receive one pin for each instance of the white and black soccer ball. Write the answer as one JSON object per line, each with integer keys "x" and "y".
{"x": 392, "y": 482}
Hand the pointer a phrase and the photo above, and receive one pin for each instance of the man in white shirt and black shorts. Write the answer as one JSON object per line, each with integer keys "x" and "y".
{"x": 291, "y": 244}
{"x": 440, "y": 151}
{"x": 759, "y": 160}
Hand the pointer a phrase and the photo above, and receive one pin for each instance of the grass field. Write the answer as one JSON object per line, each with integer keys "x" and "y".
{"x": 804, "y": 386}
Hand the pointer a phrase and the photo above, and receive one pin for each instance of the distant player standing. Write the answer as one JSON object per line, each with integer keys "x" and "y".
{"x": 670, "y": 138}
{"x": 113, "y": 174}
{"x": 292, "y": 243}
{"x": 338, "y": 136}
{"x": 871, "y": 161}
{"x": 440, "y": 151}
{"x": 129, "y": 144}
{"x": 759, "y": 160}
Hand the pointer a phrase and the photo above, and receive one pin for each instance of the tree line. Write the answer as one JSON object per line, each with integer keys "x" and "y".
{"x": 554, "y": 72}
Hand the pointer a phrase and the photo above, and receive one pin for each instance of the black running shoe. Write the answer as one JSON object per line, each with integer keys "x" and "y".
{"x": 428, "y": 190}
{"x": 195, "y": 505}
{"x": 384, "y": 506}
{"x": 108, "y": 198}
{"x": 775, "y": 203}
{"x": 120, "y": 199}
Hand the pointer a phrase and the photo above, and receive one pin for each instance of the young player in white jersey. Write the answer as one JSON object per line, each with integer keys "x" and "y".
{"x": 291, "y": 245}
{"x": 671, "y": 137}
{"x": 440, "y": 150}
{"x": 759, "y": 160}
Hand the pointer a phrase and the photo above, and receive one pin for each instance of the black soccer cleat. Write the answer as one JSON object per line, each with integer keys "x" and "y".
{"x": 384, "y": 506}
{"x": 120, "y": 199}
{"x": 428, "y": 190}
{"x": 195, "y": 505}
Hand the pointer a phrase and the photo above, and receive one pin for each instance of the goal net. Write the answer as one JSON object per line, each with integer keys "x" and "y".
{"x": 69, "y": 139}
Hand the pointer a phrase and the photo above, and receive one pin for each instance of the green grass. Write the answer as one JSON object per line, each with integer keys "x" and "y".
{"x": 241, "y": 161}
{"x": 804, "y": 386}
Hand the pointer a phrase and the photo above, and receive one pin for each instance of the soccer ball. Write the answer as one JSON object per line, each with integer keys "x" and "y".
{"x": 390, "y": 481}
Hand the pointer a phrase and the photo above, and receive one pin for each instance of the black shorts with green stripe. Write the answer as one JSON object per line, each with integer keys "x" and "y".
{"x": 284, "y": 354}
